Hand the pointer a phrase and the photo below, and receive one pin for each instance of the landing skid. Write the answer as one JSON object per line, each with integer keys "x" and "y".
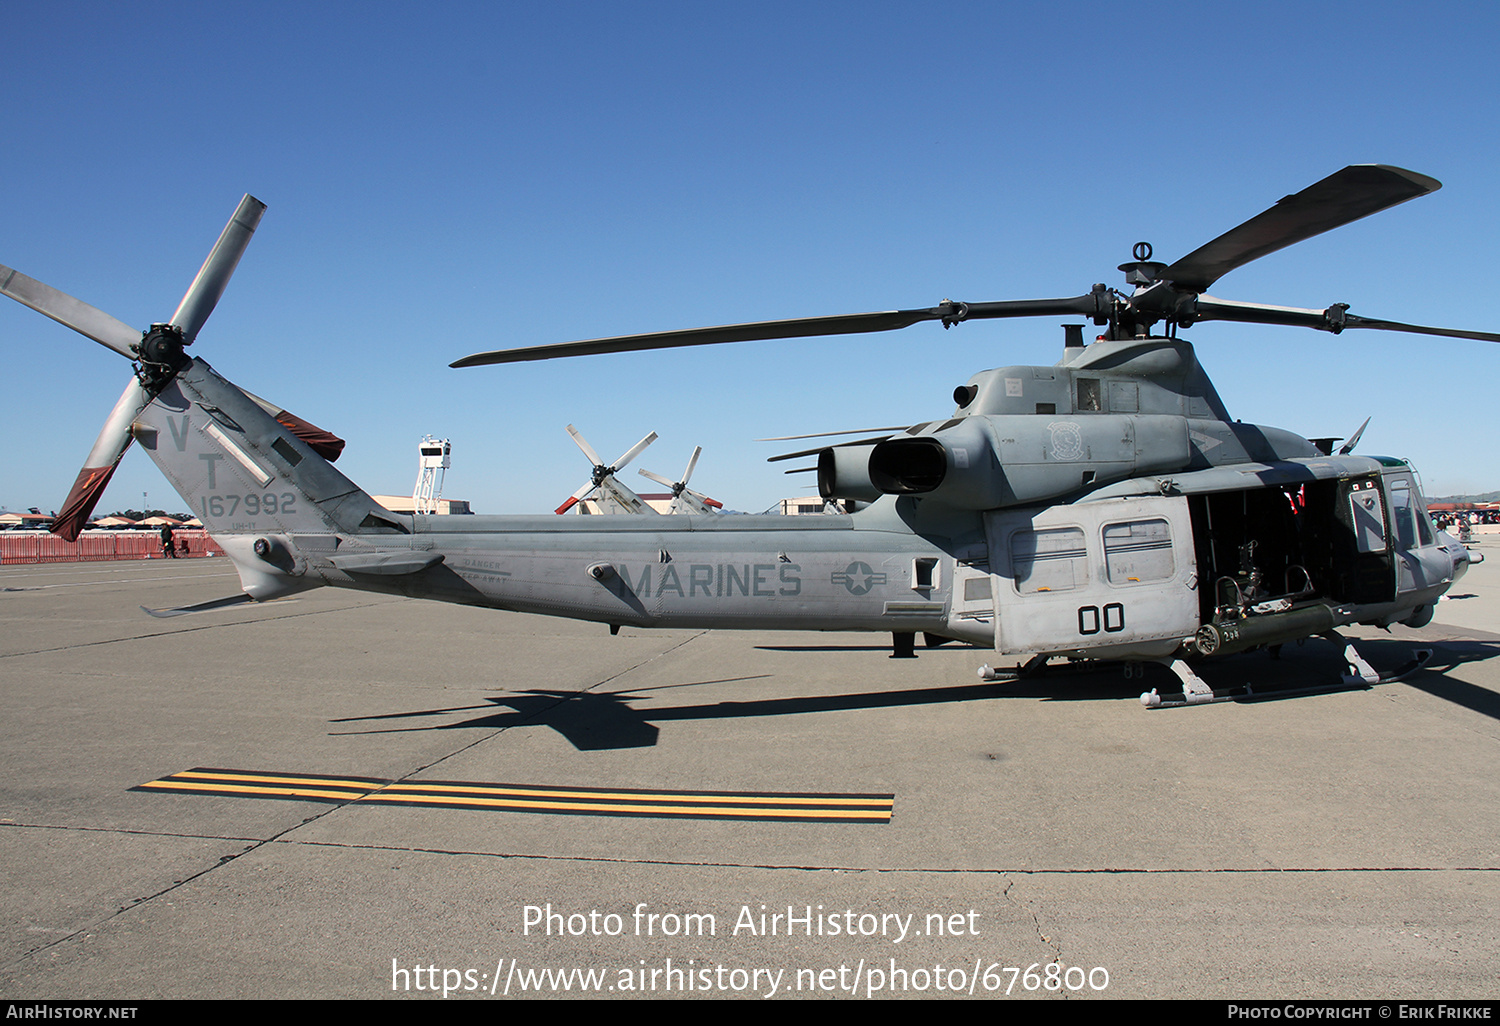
{"x": 1358, "y": 675}
{"x": 1038, "y": 666}
{"x": 1035, "y": 667}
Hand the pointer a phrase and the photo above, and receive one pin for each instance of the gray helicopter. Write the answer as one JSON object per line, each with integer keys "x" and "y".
{"x": 1106, "y": 507}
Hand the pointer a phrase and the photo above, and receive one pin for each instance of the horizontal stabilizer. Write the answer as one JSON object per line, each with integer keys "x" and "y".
{"x": 387, "y": 564}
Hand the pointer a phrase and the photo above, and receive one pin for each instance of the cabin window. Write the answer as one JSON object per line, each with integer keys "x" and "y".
{"x": 1088, "y": 395}
{"x": 1048, "y": 560}
{"x": 1368, "y": 518}
{"x": 976, "y": 589}
{"x": 1138, "y": 551}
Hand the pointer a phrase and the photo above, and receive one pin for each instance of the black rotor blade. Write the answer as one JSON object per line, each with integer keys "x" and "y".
{"x": 1357, "y": 191}
{"x": 828, "y": 434}
{"x": 1418, "y": 329}
{"x": 804, "y": 327}
{"x": 837, "y": 445}
{"x": 1351, "y": 321}
{"x": 1332, "y": 319}
{"x": 800, "y": 328}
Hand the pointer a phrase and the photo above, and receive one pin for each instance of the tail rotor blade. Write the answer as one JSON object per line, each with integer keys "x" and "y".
{"x": 325, "y": 443}
{"x": 203, "y": 295}
{"x": 687, "y": 475}
{"x": 635, "y": 451}
{"x": 1353, "y": 440}
{"x": 88, "y": 321}
{"x": 113, "y": 440}
{"x": 588, "y": 450}
{"x": 704, "y": 499}
{"x": 575, "y": 498}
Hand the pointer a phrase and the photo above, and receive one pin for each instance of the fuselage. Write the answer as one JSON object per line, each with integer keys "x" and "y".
{"x": 1133, "y": 568}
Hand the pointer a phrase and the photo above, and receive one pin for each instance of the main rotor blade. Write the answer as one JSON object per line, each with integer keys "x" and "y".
{"x": 203, "y": 295}
{"x": 1357, "y": 191}
{"x": 1331, "y": 319}
{"x": 111, "y": 444}
{"x": 1351, "y": 321}
{"x": 799, "y": 328}
{"x": 804, "y": 327}
{"x": 829, "y": 434}
{"x": 657, "y": 478}
{"x": 837, "y": 445}
{"x": 89, "y": 321}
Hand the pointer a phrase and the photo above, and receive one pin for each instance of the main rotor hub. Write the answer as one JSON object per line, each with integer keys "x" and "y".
{"x": 1143, "y": 270}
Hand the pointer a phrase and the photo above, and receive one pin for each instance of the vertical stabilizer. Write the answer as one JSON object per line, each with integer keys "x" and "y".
{"x": 263, "y": 493}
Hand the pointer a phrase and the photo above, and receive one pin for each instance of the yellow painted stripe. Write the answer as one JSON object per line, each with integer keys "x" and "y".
{"x": 536, "y": 798}
{"x": 665, "y": 810}
{"x": 631, "y": 796}
{"x": 290, "y": 792}
{"x": 274, "y": 778}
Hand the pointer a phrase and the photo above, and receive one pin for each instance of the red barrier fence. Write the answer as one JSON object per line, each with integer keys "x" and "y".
{"x": 41, "y": 547}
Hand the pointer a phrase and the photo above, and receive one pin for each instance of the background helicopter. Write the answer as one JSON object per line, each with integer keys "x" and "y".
{"x": 685, "y": 499}
{"x": 603, "y": 486}
{"x": 611, "y": 495}
{"x": 1105, "y": 507}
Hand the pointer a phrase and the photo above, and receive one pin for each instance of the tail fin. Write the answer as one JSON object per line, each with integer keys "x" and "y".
{"x": 264, "y": 494}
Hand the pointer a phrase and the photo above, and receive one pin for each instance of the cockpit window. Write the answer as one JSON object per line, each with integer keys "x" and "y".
{"x": 1408, "y": 516}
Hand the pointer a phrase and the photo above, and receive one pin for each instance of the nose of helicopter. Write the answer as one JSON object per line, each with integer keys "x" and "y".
{"x": 1462, "y": 556}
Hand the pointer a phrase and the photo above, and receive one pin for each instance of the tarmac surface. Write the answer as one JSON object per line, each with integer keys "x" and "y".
{"x": 1342, "y": 845}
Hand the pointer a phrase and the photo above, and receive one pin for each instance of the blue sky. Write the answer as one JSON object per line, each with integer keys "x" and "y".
{"x": 463, "y": 177}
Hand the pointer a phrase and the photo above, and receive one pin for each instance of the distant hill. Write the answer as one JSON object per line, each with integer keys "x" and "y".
{"x": 1482, "y": 497}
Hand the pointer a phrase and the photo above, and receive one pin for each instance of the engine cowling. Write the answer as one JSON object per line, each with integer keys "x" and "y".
{"x": 989, "y": 462}
{"x": 844, "y": 473}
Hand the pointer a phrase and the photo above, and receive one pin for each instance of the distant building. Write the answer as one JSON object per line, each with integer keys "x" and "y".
{"x": 404, "y": 504}
{"x": 816, "y": 504}
{"x": 10, "y": 521}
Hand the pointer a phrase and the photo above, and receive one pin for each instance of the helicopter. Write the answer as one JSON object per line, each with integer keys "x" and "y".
{"x": 1103, "y": 508}
{"x": 684, "y": 499}
{"x": 607, "y": 490}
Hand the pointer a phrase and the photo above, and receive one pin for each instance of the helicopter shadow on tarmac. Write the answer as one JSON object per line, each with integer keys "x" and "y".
{"x": 606, "y": 721}
{"x": 1435, "y": 680}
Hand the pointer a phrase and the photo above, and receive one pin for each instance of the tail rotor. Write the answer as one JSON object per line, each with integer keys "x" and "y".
{"x": 157, "y": 353}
